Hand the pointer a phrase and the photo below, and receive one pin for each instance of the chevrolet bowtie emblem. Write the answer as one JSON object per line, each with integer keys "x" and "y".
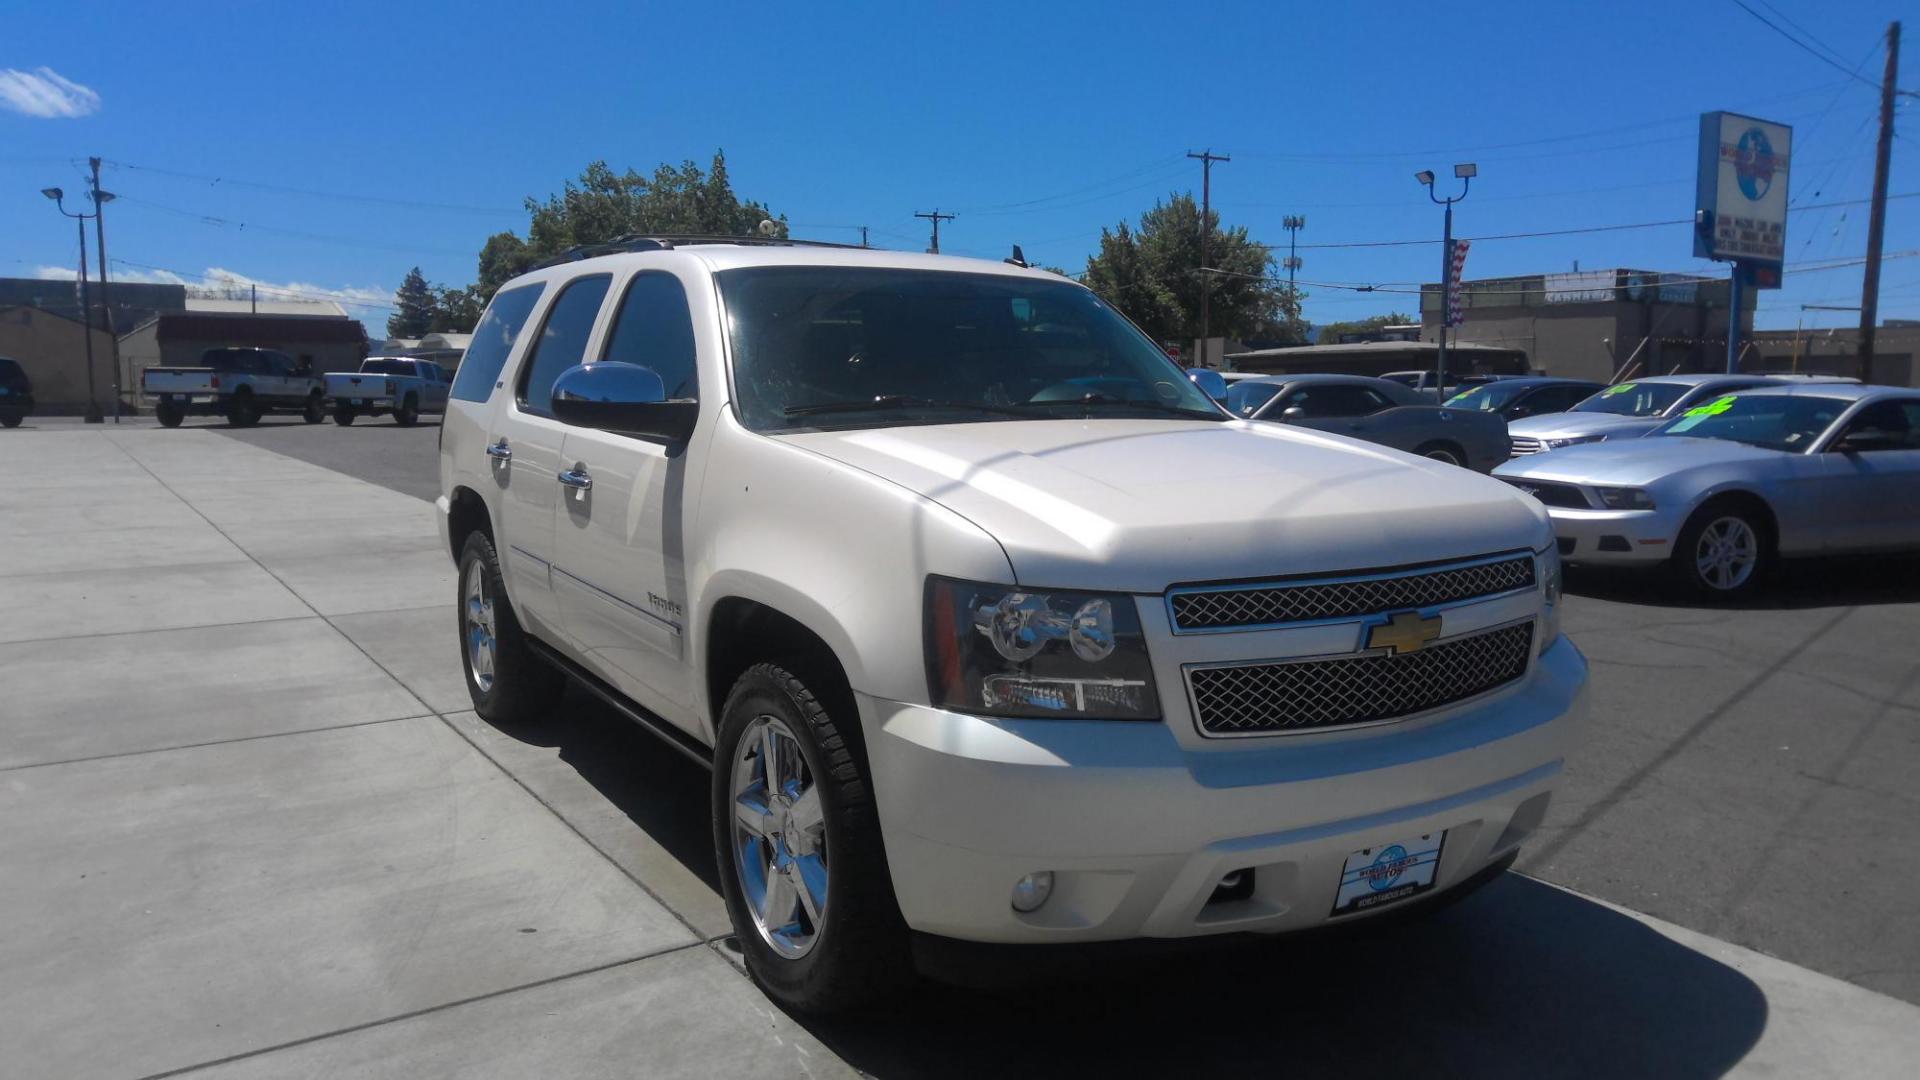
{"x": 1404, "y": 633}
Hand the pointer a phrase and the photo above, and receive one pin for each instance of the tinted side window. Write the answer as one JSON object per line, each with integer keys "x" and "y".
{"x": 654, "y": 329}
{"x": 1895, "y": 418}
{"x": 1319, "y": 401}
{"x": 492, "y": 340}
{"x": 563, "y": 339}
{"x": 1245, "y": 398}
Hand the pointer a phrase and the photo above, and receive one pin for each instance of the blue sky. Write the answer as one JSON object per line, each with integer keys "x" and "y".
{"x": 1038, "y": 123}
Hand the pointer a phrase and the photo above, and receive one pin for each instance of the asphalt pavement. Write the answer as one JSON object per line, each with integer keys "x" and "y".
{"x": 257, "y": 833}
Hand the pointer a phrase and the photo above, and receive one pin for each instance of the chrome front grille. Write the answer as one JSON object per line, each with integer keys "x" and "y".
{"x": 1282, "y": 696}
{"x": 1203, "y": 608}
{"x": 1522, "y": 444}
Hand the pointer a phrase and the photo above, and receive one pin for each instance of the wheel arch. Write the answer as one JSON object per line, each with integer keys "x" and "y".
{"x": 742, "y": 627}
{"x": 467, "y": 514}
{"x": 1745, "y": 499}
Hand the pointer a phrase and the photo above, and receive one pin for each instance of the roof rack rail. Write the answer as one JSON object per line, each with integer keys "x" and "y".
{"x": 668, "y": 241}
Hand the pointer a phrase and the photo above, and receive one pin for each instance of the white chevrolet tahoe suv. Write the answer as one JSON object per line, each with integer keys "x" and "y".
{"x": 991, "y": 626}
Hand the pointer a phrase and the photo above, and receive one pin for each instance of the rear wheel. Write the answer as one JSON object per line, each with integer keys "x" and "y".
{"x": 408, "y": 412}
{"x": 343, "y": 415}
{"x": 508, "y": 683}
{"x": 316, "y": 409}
{"x": 241, "y": 410}
{"x": 11, "y": 419}
{"x": 797, "y": 836}
{"x": 168, "y": 415}
{"x": 1724, "y": 551}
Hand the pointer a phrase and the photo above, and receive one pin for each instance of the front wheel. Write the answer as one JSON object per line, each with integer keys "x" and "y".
{"x": 1724, "y": 551}
{"x": 797, "y": 837}
{"x": 11, "y": 419}
{"x": 508, "y": 683}
{"x": 1446, "y": 452}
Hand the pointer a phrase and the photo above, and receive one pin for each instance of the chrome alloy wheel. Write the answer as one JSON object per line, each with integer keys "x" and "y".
{"x": 1726, "y": 554}
{"x": 480, "y": 625}
{"x": 779, "y": 837}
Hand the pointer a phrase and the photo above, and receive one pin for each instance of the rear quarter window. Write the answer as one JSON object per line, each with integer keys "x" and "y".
{"x": 493, "y": 342}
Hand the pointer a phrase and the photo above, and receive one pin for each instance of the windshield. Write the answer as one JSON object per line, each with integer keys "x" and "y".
{"x": 388, "y": 367}
{"x": 1488, "y": 397}
{"x": 1774, "y": 421}
{"x": 1634, "y": 399}
{"x": 835, "y": 347}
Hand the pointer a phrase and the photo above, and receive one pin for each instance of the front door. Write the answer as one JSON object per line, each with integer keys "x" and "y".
{"x": 1873, "y": 488}
{"x": 527, "y": 440}
{"x": 619, "y": 563}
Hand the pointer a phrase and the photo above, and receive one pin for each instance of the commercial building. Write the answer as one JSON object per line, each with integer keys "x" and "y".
{"x": 177, "y": 339}
{"x": 1598, "y": 324}
{"x": 52, "y": 350}
{"x": 442, "y": 349}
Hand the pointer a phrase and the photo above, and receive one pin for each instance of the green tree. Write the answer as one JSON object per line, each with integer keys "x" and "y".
{"x": 456, "y": 311}
{"x": 602, "y": 205}
{"x": 1153, "y": 274}
{"x": 1330, "y": 333}
{"x": 413, "y": 305}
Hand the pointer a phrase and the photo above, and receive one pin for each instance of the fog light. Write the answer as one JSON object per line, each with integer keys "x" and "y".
{"x": 1032, "y": 891}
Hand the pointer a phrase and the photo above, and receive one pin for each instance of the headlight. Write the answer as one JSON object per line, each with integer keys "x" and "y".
{"x": 1552, "y": 584}
{"x": 1572, "y": 440}
{"x": 1007, "y": 651}
{"x": 1624, "y": 498}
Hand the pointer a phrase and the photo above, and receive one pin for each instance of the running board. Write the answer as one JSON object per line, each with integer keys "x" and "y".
{"x": 660, "y": 728}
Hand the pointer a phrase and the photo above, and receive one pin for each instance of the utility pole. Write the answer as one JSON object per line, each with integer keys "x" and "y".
{"x": 1206, "y": 158}
{"x": 1877, "y": 215}
{"x": 863, "y": 237}
{"x": 936, "y": 217}
{"x": 100, "y": 200}
{"x": 1293, "y": 225}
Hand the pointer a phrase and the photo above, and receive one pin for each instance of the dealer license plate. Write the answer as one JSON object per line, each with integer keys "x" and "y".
{"x": 1376, "y": 876}
{"x": 359, "y": 401}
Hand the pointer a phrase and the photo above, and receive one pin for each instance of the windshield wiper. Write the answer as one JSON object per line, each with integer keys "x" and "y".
{"x": 1094, "y": 397}
{"x": 898, "y": 401}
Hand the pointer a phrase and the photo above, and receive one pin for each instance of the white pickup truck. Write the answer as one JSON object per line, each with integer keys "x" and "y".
{"x": 992, "y": 627}
{"x": 400, "y": 385}
{"x": 241, "y": 384}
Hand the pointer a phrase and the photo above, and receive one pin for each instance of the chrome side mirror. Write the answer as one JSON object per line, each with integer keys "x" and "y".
{"x": 626, "y": 399}
{"x": 1293, "y": 412}
{"x": 1210, "y": 382}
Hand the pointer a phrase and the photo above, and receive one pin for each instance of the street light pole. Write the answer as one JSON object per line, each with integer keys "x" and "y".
{"x": 86, "y": 301}
{"x": 100, "y": 199}
{"x": 1465, "y": 171}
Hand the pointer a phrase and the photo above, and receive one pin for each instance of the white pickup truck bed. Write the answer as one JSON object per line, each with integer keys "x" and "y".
{"x": 400, "y": 385}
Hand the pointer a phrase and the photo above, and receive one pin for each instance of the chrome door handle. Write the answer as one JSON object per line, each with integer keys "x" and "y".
{"x": 576, "y": 478}
{"x": 500, "y": 452}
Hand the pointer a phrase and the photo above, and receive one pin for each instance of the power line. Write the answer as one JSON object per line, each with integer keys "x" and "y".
{"x": 936, "y": 217}
{"x": 411, "y": 204}
{"x": 216, "y": 221}
{"x": 1837, "y": 65}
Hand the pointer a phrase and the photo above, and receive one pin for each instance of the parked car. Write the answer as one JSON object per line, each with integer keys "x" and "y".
{"x": 1377, "y": 411}
{"x": 990, "y": 624}
{"x": 1725, "y": 488}
{"x": 16, "y": 393}
{"x": 400, "y": 385}
{"x": 1423, "y": 382}
{"x": 1517, "y": 399}
{"x": 1632, "y": 409}
{"x": 241, "y": 384}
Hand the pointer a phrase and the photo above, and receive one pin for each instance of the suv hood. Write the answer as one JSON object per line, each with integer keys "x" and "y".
{"x": 1573, "y": 425}
{"x": 1138, "y": 505}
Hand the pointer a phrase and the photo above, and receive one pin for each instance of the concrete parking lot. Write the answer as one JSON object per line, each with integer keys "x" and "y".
{"x": 255, "y": 831}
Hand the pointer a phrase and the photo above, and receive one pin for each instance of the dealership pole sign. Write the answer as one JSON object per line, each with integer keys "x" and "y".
{"x": 1740, "y": 212}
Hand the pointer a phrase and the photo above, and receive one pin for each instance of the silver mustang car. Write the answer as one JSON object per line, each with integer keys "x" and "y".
{"x": 1632, "y": 409}
{"x": 1720, "y": 491}
{"x": 1376, "y": 411}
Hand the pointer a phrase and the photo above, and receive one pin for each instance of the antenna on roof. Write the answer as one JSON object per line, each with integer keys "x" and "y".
{"x": 1019, "y": 257}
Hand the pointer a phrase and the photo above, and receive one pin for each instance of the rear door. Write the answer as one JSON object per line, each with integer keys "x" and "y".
{"x": 619, "y": 562}
{"x": 526, "y": 429}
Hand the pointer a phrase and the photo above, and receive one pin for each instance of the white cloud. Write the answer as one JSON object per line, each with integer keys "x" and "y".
{"x": 221, "y": 283}
{"x": 45, "y": 93}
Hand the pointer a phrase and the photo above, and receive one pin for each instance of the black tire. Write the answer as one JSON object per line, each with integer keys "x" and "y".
{"x": 168, "y": 415}
{"x": 241, "y": 410}
{"x": 316, "y": 409}
{"x": 408, "y": 413}
{"x": 521, "y": 687}
{"x": 343, "y": 415}
{"x": 1728, "y": 518}
{"x": 1443, "y": 451}
{"x": 11, "y": 419}
{"x": 861, "y": 951}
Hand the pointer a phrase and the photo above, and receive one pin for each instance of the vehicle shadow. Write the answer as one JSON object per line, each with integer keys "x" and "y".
{"x": 1849, "y": 581}
{"x": 1520, "y": 980}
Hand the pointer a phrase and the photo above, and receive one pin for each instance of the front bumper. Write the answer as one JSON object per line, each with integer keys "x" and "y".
{"x": 1615, "y": 537}
{"x": 1138, "y": 829}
